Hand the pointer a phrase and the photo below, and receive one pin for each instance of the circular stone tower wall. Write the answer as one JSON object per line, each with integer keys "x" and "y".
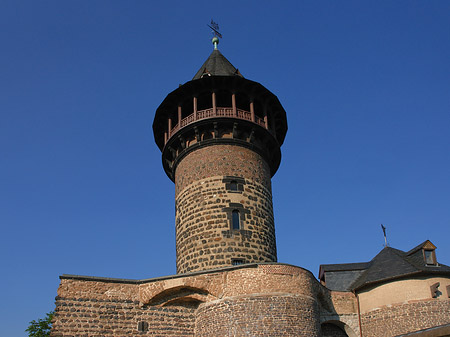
{"x": 224, "y": 213}
{"x": 267, "y": 300}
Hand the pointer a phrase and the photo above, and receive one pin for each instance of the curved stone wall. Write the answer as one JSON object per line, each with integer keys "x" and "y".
{"x": 402, "y": 291}
{"x": 222, "y": 160}
{"x": 259, "y": 315}
{"x": 252, "y": 300}
{"x": 407, "y": 317}
{"x": 205, "y": 201}
{"x": 403, "y": 306}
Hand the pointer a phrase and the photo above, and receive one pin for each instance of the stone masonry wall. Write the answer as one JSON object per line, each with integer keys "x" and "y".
{"x": 255, "y": 300}
{"x": 205, "y": 237}
{"x": 407, "y": 317}
{"x": 341, "y": 309}
{"x": 222, "y": 160}
{"x": 259, "y": 315}
{"x": 94, "y": 309}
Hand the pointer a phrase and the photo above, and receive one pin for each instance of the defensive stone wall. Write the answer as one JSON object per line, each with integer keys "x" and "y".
{"x": 403, "y": 318}
{"x": 255, "y": 300}
{"x": 406, "y": 305}
{"x": 401, "y": 291}
{"x": 211, "y": 184}
{"x": 103, "y": 308}
{"x": 259, "y": 315}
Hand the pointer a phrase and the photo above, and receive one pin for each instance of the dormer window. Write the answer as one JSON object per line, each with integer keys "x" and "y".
{"x": 205, "y": 73}
{"x": 429, "y": 256}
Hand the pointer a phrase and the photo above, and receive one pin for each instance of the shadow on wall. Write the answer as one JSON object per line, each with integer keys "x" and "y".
{"x": 332, "y": 323}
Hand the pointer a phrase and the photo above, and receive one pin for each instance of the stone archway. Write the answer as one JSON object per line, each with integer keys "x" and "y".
{"x": 332, "y": 330}
{"x": 338, "y": 328}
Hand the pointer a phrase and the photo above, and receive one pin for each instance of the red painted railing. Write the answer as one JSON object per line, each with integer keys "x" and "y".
{"x": 220, "y": 112}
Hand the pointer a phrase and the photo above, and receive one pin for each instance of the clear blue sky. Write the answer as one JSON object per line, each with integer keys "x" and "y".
{"x": 366, "y": 87}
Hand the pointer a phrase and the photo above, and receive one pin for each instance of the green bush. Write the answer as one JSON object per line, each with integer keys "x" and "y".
{"x": 42, "y": 327}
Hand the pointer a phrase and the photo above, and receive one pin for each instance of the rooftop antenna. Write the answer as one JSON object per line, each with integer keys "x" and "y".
{"x": 215, "y": 31}
{"x": 384, "y": 232}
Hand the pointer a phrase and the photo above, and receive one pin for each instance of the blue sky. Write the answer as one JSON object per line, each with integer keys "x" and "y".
{"x": 82, "y": 191}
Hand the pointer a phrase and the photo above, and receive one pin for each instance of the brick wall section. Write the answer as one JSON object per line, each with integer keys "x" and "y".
{"x": 205, "y": 238}
{"x": 248, "y": 298}
{"x": 265, "y": 278}
{"x": 221, "y": 160}
{"x": 259, "y": 315}
{"x": 83, "y": 317}
{"x": 88, "y": 309}
{"x": 338, "y": 306}
{"x": 344, "y": 302}
{"x": 403, "y": 318}
{"x": 270, "y": 278}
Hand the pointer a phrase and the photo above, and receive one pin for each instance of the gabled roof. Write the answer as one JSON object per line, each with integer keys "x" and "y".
{"x": 424, "y": 245}
{"x": 388, "y": 264}
{"x": 217, "y": 65}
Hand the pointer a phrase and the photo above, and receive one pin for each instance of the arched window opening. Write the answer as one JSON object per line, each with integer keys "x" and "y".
{"x": 235, "y": 219}
{"x": 335, "y": 329}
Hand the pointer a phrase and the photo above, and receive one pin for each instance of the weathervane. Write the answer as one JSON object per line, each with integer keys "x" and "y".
{"x": 384, "y": 232}
{"x": 215, "y": 31}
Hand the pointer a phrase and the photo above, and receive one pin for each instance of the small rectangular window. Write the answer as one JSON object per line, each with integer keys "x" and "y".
{"x": 237, "y": 262}
{"x": 142, "y": 326}
{"x": 429, "y": 258}
{"x": 234, "y": 184}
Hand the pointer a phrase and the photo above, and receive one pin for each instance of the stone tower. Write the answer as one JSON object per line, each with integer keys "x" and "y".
{"x": 220, "y": 136}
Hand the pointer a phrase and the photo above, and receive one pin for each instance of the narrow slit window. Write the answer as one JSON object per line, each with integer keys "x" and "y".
{"x": 142, "y": 326}
{"x": 236, "y": 220}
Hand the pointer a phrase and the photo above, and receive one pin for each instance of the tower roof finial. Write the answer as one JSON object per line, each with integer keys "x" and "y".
{"x": 215, "y": 31}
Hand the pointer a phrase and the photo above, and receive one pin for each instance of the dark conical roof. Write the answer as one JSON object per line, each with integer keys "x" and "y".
{"x": 217, "y": 65}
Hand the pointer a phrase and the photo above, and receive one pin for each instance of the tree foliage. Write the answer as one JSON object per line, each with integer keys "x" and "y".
{"x": 42, "y": 327}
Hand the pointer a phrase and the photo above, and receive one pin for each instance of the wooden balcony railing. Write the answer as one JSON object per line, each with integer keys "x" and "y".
{"x": 220, "y": 112}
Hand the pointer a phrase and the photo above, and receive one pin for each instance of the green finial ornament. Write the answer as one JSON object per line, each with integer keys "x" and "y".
{"x": 215, "y": 41}
{"x": 215, "y": 30}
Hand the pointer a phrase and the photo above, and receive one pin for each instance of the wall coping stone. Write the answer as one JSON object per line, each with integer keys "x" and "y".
{"x": 169, "y": 277}
{"x": 430, "y": 332}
